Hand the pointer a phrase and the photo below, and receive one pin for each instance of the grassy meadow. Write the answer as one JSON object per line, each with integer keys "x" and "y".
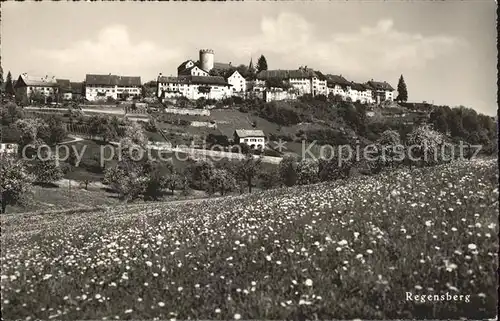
{"x": 339, "y": 250}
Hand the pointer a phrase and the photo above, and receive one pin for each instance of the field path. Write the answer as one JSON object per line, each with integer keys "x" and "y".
{"x": 216, "y": 155}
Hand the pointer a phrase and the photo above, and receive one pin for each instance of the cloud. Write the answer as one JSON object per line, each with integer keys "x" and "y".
{"x": 111, "y": 51}
{"x": 378, "y": 49}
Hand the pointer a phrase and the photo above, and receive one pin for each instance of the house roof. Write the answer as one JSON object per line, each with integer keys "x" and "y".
{"x": 183, "y": 65}
{"x": 212, "y": 80}
{"x": 367, "y": 86}
{"x": 222, "y": 65}
{"x": 36, "y": 81}
{"x": 76, "y": 87}
{"x": 249, "y": 133}
{"x": 112, "y": 80}
{"x": 320, "y": 75}
{"x": 232, "y": 72}
{"x": 205, "y": 80}
{"x": 187, "y": 71}
{"x": 286, "y": 74}
{"x": 378, "y": 85}
{"x": 357, "y": 86}
{"x": 63, "y": 83}
{"x": 336, "y": 80}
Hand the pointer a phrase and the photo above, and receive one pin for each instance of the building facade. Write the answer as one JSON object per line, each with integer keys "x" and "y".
{"x": 303, "y": 80}
{"x": 102, "y": 87}
{"x": 189, "y": 68}
{"x": 193, "y": 87}
{"x": 381, "y": 91}
{"x": 338, "y": 85}
{"x": 28, "y": 86}
{"x": 253, "y": 138}
{"x": 238, "y": 82}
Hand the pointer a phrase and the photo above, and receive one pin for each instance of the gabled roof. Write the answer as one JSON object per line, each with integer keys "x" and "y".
{"x": 183, "y": 65}
{"x": 337, "y": 80}
{"x": 36, "y": 81}
{"x": 76, "y": 87}
{"x": 232, "y": 72}
{"x": 187, "y": 71}
{"x": 212, "y": 80}
{"x": 357, "y": 86}
{"x": 112, "y": 80}
{"x": 204, "y": 80}
{"x": 63, "y": 83}
{"x": 222, "y": 65}
{"x": 367, "y": 87}
{"x": 241, "y": 133}
{"x": 286, "y": 74}
{"x": 378, "y": 85}
{"x": 320, "y": 75}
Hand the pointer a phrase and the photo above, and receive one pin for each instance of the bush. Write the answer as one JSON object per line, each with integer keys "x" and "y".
{"x": 425, "y": 141}
{"x": 324, "y": 136}
{"x": 335, "y": 167}
{"x": 287, "y": 170}
{"x": 268, "y": 179}
{"x": 10, "y": 113}
{"x": 271, "y": 152}
{"x": 307, "y": 172}
{"x": 279, "y": 113}
{"x": 46, "y": 171}
{"x": 217, "y": 139}
{"x": 15, "y": 183}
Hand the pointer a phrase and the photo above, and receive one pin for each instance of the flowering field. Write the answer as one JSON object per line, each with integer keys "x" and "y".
{"x": 347, "y": 249}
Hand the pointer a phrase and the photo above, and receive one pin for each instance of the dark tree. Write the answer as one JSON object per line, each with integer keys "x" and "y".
{"x": 9, "y": 86}
{"x": 261, "y": 64}
{"x": 402, "y": 90}
{"x": 247, "y": 169}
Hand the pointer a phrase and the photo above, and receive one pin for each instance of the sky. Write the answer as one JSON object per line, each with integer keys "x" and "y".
{"x": 446, "y": 51}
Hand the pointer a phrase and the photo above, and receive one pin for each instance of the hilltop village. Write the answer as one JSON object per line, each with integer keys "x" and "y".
{"x": 206, "y": 78}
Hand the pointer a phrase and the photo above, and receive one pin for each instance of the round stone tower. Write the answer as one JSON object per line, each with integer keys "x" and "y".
{"x": 207, "y": 59}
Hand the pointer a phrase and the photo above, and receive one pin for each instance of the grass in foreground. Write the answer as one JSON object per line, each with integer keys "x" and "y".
{"x": 341, "y": 250}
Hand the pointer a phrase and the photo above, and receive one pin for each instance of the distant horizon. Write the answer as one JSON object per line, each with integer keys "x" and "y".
{"x": 445, "y": 51}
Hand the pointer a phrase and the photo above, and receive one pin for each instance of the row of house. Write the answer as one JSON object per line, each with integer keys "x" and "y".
{"x": 95, "y": 87}
{"x": 208, "y": 79}
{"x": 195, "y": 80}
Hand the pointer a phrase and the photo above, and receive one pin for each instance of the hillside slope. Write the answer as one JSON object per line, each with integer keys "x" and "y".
{"x": 342, "y": 250}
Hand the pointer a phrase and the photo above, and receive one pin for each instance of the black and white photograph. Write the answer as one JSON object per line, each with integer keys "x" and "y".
{"x": 249, "y": 160}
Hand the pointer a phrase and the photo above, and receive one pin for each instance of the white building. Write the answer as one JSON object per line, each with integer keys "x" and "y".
{"x": 69, "y": 90}
{"x": 193, "y": 87}
{"x": 382, "y": 91}
{"x": 253, "y": 138}
{"x": 273, "y": 94}
{"x": 189, "y": 68}
{"x": 238, "y": 82}
{"x": 338, "y": 85}
{"x": 26, "y": 86}
{"x": 100, "y": 87}
{"x": 303, "y": 80}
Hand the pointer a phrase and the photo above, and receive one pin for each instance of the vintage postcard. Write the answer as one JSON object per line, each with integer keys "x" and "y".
{"x": 257, "y": 160}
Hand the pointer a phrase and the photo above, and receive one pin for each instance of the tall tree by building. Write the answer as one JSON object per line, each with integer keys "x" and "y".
{"x": 402, "y": 90}
{"x": 261, "y": 64}
{"x": 9, "y": 86}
